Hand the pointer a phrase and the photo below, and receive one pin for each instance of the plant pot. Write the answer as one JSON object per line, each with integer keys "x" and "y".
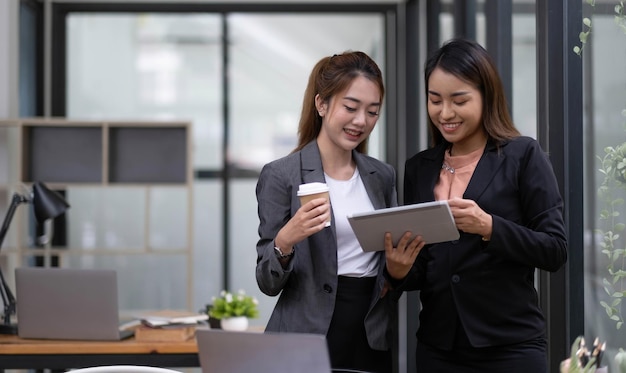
{"x": 239, "y": 323}
{"x": 215, "y": 323}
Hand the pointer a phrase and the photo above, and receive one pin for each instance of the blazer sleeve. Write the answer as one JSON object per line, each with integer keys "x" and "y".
{"x": 274, "y": 197}
{"x": 537, "y": 238}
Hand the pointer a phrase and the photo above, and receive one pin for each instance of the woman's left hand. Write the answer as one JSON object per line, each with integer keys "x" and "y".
{"x": 400, "y": 259}
{"x": 470, "y": 218}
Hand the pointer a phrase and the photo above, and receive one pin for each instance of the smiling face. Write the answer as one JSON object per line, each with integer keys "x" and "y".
{"x": 455, "y": 108}
{"x": 349, "y": 117}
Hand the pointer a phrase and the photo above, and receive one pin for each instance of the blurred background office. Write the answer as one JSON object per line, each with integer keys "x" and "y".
{"x": 236, "y": 72}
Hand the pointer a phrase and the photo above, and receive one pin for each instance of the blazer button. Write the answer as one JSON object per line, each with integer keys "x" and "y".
{"x": 328, "y": 288}
{"x": 456, "y": 279}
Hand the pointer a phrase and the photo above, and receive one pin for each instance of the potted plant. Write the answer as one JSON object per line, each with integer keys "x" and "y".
{"x": 585, "y": 359}
{"x": 234, "y": 310}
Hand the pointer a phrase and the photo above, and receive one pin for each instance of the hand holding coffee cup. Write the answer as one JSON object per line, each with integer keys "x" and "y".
{"x": 310, "y": 191}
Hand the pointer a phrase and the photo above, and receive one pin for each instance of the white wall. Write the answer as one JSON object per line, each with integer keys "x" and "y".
{"x": 9, "y": 58}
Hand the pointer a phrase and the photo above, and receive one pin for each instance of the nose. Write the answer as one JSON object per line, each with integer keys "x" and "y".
{"x": 446, "y": 111}
{"x": 359, "y": 117}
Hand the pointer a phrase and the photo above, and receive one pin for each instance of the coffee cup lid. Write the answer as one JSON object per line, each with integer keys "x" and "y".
{"x": 312, "y": 188}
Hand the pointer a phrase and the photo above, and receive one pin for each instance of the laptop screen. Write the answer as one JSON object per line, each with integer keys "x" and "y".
{"x": 62, "y": 303}
{"x": 245, "y": 352}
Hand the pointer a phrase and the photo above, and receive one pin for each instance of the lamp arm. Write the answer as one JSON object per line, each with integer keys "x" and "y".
{"x": 7, "y": 296}
{"x": 8, "y": 299}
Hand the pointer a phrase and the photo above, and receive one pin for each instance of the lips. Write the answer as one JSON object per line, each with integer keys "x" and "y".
{"x": 352, "y": 132}
{"x": 450, "y": 127}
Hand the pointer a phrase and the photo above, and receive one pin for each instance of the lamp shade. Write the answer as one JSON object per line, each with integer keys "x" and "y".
{"x": 47, "y": 204}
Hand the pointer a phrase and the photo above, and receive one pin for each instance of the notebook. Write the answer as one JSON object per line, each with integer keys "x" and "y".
{"x": 252, "y": 352}
{"x": 432, "y": 220}
{"x": 62, "y": 303}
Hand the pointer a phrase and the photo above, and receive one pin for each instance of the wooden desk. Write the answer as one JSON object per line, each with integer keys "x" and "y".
{"x": 17, "y": 353}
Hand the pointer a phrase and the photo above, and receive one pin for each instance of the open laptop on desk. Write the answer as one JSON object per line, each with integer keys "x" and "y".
{"x": 252, "y": 352}
{"x": 62, "y": 303}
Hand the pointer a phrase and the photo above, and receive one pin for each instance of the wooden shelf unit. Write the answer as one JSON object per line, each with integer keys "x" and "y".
{"x": 145, "y": 158}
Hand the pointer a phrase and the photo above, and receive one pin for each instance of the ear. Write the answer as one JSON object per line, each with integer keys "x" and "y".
{"x": 320, "y": 105}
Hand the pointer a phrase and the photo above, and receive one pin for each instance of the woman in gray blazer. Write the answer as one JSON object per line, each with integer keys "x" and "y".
{"x": 325, "y": 282}
{"x": 480, "y": 310}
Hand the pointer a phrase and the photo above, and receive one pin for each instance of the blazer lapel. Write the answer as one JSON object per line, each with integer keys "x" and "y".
{"x": 311, "y": 164}
{"x": 485, "y": 171}
{"x": 431, "y": 168}
{"x": 372, "y": 183}
{"x": 311, "y": 171}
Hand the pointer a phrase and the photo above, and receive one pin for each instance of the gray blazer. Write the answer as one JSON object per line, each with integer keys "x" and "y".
{"x": 307, "y": 286}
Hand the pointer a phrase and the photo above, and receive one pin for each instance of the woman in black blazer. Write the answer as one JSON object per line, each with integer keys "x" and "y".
{"x": 480, "y": 309}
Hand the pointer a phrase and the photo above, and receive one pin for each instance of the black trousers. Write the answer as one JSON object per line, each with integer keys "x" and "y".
{"x": 525, "y": 357}
{"x": 347, "y": 342}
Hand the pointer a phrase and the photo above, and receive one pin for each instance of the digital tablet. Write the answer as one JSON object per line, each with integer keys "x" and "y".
{"x": 432, "y": 220}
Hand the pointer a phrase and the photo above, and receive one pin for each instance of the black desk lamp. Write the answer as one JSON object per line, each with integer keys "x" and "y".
{"x": 47, "y": 205}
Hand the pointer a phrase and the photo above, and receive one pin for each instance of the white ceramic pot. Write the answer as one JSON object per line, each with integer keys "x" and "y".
{"x": 238, "y": 323}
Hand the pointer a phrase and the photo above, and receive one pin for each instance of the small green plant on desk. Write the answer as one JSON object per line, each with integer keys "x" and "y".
{"x": 233, "y": 305}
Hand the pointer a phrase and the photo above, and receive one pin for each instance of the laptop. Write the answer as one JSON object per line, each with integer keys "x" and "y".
{"x": 253, "y": 352}
{"x": 63, "y": 303}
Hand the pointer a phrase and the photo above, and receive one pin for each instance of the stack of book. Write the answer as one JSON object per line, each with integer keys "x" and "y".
{"x": 168, "y": 326}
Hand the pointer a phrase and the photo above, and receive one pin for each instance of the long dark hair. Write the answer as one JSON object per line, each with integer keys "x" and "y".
{"x": 470, "y": 62}
{"x": 330, "y": 76}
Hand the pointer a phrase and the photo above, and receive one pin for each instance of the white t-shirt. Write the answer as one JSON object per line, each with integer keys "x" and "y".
{"x": 348, "y": 197}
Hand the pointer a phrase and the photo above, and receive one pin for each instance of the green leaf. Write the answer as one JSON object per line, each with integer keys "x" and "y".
{"x": 616, "y": 302}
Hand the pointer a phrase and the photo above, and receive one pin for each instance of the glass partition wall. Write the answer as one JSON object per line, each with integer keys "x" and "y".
{"x": 239, "y": 79}
{"x": 605, "y": 176}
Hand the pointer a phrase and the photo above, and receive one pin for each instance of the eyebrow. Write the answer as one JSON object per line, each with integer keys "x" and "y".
{"x": 359, "y": 101}
{"x": 455, "y": 94}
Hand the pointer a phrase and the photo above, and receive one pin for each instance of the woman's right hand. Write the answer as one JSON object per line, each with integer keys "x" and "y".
{"x": 309, "y": 219}
{"x": 400, "y": 259}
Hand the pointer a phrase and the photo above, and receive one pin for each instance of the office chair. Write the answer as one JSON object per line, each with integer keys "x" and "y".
{"x": 122, "y": 369}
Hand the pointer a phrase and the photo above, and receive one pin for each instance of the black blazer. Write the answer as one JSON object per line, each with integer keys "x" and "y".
{"x": 487, "y": 288}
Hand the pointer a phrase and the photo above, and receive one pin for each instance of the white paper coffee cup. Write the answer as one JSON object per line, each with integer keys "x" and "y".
{"x": 310, "y": 191}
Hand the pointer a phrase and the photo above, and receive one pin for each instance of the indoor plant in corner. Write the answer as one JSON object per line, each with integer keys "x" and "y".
{"x": 612, "y": 208}
{"x": 234, "y": 310}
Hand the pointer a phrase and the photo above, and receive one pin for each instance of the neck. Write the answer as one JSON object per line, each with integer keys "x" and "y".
{"x": 458, "y": 149}
{"x": 337, "y": 163}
